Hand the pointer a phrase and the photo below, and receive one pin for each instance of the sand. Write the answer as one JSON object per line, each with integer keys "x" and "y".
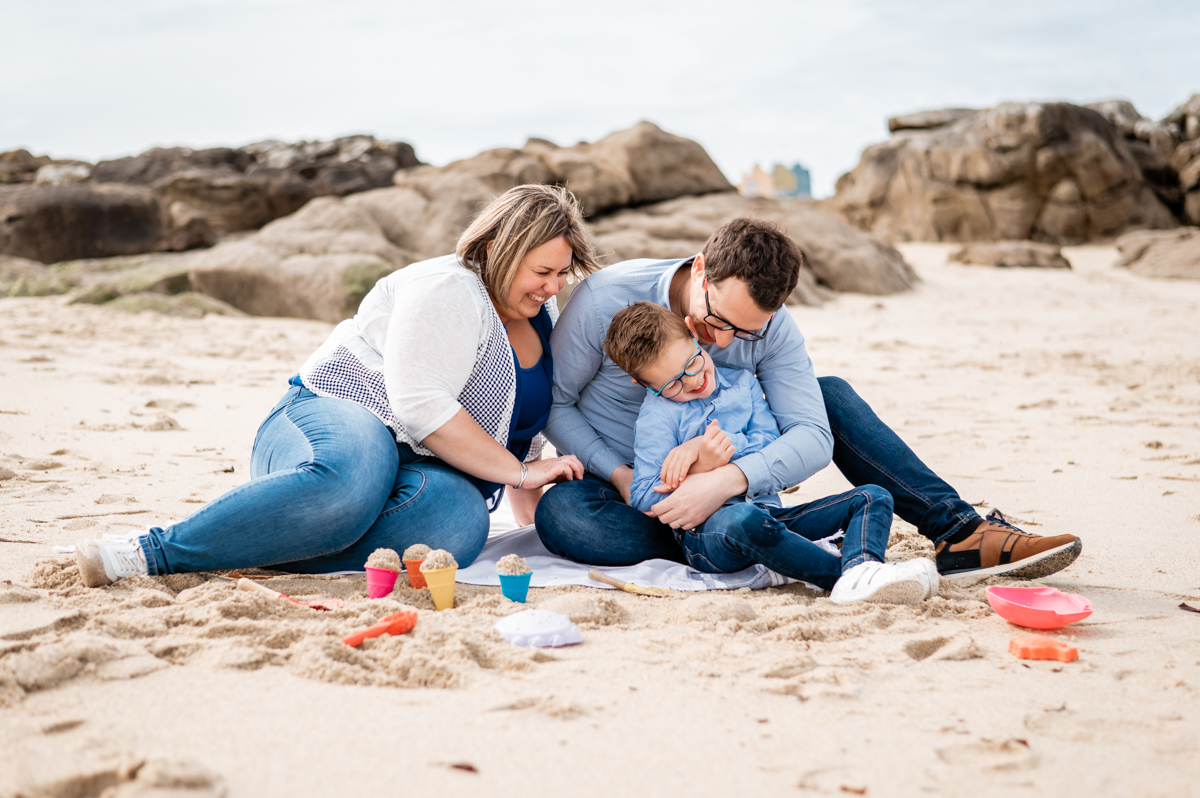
{"x": 386, "y": 559}
{"x": 511, "y": 565}
{"x": 438, "y": 559}
{"x": 1069, "y": 400}
{"x": 417, "y": 551}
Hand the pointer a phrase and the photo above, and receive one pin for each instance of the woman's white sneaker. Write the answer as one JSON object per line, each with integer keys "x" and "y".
{"x": 102, "y": 562}
{"x": 882, "y": 582}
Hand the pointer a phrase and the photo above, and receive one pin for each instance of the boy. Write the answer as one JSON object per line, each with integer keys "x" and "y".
{"x": 697, "y": 417}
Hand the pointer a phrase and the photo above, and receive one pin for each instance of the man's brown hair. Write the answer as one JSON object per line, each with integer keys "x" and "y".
{"x": 639, "y": 334}
{"x": 758, "y": 253}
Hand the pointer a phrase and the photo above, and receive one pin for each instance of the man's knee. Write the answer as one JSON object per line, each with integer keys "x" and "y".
{"x": 835, "y": 390}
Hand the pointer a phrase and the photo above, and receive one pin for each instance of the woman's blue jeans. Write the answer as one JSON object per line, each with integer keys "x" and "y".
{"x": 781, "y": 538}
{"x": 328, "y": 485}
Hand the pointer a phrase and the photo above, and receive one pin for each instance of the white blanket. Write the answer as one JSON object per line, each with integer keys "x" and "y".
{"x": 550, "y": 570}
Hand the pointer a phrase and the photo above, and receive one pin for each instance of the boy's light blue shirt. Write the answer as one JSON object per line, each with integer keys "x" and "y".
{"x": 596, "y": 406}
{"x": 738, "y": 406}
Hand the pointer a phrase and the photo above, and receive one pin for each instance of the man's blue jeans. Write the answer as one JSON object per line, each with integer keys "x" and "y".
{"x": 586, "y": 520}
{"x": 741, "y": 534}
{"x": 328, "y": 485}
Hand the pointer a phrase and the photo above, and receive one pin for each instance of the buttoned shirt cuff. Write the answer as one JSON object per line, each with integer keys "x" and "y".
{"x": 758, "y": 475}
{"x": 604, "y": 462}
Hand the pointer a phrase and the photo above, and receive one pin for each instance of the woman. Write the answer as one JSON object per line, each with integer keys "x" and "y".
{"x": 407, "y": 423}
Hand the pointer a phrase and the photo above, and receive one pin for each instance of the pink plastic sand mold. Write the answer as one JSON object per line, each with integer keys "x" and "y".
{"x": 1038, "y": 607}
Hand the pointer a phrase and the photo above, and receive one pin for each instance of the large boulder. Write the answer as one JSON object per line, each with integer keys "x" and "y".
{"x": 1008, "y": 254}
{"x": 316, "y": 264}
{"x": 244, "y": 188}
{"x": 1048, "y": 171}
{"x": 56, "y": 223}
{"x": 837, "y": 256}
{"x": 24, "y": 277}
{"x": 97, "y": 281}
{"x": 630, "y": 167}
{"x": 1170, "y": 254}
{"x": 1184, "y": 122}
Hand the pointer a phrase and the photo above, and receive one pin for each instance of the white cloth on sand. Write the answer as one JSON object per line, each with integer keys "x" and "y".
{"x": 550, "y": 570}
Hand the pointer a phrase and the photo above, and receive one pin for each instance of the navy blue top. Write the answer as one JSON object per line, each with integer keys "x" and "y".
{"x": 534, "y": 390}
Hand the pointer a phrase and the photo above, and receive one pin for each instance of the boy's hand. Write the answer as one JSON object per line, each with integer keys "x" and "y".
{"x": 716, "y": 449}
{"x": 676, "y": 466}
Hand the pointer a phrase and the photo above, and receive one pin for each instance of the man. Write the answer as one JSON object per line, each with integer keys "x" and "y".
{"x": 733, "y": 293}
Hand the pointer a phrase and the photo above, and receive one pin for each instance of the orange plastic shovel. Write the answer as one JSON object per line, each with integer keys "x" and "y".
{"x": 398, "y": 624}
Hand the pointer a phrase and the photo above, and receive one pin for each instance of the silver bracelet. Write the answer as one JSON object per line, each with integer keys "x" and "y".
{"x": 524, "y": 473}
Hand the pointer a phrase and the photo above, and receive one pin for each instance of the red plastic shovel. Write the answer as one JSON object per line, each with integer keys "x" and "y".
{"x": 398, "y": 624}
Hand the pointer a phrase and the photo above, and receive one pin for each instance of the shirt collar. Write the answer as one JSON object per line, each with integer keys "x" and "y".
{"x": 664, "y": 282}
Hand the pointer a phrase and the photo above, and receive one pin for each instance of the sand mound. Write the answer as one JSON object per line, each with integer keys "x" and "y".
{"x": 141, "y": 623}
{"x": 586, "y": 609}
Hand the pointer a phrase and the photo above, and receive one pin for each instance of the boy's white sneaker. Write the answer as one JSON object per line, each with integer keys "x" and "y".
{"x": 102, "y": 562}
{"x": 882, "y": 582}
{"x": 926, "y": 567}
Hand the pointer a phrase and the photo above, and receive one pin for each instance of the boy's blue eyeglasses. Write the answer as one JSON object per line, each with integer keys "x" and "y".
{"x": 672, "y": 387}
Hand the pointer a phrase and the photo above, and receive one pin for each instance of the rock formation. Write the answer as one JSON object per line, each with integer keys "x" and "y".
{"x": 1162, "y": 253}
{"x": 177, "y": 199}
{"x": 1045, "y": 171}
{"x": 837, "y": 255}
{"x": 319, "y": 262}
{"x": 1006, "y": 254}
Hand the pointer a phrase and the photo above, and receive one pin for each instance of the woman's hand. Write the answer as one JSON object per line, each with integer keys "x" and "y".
{"x": 556, "y": 469}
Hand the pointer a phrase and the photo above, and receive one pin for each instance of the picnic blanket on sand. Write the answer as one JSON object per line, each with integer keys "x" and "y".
{"x": 550, "y": 570}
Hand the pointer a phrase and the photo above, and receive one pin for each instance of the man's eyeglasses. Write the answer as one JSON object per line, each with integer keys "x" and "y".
{"x": 718, "y": 323}
{"x": 672, "y": 387}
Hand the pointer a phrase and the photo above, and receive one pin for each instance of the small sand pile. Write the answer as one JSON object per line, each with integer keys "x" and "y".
{"x": 586, "y": 609}
{"x": 417, "y": 551}
{"x": 438, "y": 559}
{"x": 387, "y": 559}
{"x": 512, "y": 565}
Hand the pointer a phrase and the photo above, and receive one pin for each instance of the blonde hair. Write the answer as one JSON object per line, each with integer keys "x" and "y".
{"x": 521, "y": 219}
{"x": 638, "y": 335}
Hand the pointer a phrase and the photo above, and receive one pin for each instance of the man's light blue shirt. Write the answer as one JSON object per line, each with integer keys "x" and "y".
{"x": 740, "y": 410}
{"x": 596, "y": 406}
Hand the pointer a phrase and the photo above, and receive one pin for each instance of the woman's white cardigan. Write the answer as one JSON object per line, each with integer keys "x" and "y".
{"x": 426, "y": 342}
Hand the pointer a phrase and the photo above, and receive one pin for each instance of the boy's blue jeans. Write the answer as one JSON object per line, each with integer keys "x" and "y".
{"x": 328, "y": 485}
{"x": 587, "y": 521}
{"x": 739, "y": 535}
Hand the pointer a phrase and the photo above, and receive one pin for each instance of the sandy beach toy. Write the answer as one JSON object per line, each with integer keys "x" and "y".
{"x": 1038, "y": 607}
{"x": 439, "y": 568}
{"x": 1041, "y": 647}
{"x": 383, "y": 566}
{"x": 416, "y": 580}
{"x": 324, "y": 605}
{"x": 399, "y": 623}
{"x": 514, "y": 576}
{"x": 539, "y": 629}
{"x": 440, "y": 582}
{"x": 413, "y": 557}
{"x": 380, "y": 582}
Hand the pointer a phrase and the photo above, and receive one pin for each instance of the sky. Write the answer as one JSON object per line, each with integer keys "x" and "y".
{"x": 754, "y": 81}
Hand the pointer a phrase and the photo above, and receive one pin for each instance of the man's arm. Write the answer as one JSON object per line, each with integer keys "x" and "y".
{"x": 578, "y": 346}
{"x": 762, "y": 430}
{"x": 794, "y": 399}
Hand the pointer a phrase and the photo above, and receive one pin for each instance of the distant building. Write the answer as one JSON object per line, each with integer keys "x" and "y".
{"x": 757, "y": 184}
{"x": 781, "y": 182}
